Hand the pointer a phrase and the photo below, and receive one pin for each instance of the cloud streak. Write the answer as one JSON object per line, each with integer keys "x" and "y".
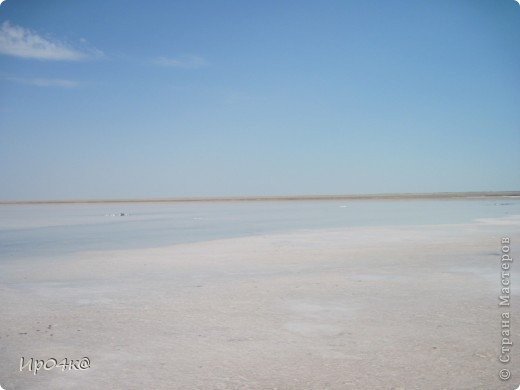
{"x": 17, "y": 41}
{"x": 184, "y": 62}
{"x": 53, "y": 83}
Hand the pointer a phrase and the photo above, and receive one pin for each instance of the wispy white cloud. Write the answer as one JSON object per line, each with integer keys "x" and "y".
{"x": 20, "y": 42}
{"x": 183, "y": 62}
{"x": 39, "y": 82}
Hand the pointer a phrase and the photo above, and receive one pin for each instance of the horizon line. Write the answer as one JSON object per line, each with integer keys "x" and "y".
{"x": 253, "y": 198}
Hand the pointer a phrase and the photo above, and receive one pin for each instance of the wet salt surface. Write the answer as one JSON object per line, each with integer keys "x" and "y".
{"x": 364, "y": 307}
{"x": 52, "y": 230}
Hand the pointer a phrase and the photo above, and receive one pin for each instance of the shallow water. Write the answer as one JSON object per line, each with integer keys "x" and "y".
{"x": 52, "y": 230}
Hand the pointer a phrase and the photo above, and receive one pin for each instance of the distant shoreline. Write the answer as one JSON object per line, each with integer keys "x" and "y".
{"x": 399, "y": 196}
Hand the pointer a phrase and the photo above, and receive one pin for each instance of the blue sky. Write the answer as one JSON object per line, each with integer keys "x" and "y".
{"x": 112, "y": 99}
